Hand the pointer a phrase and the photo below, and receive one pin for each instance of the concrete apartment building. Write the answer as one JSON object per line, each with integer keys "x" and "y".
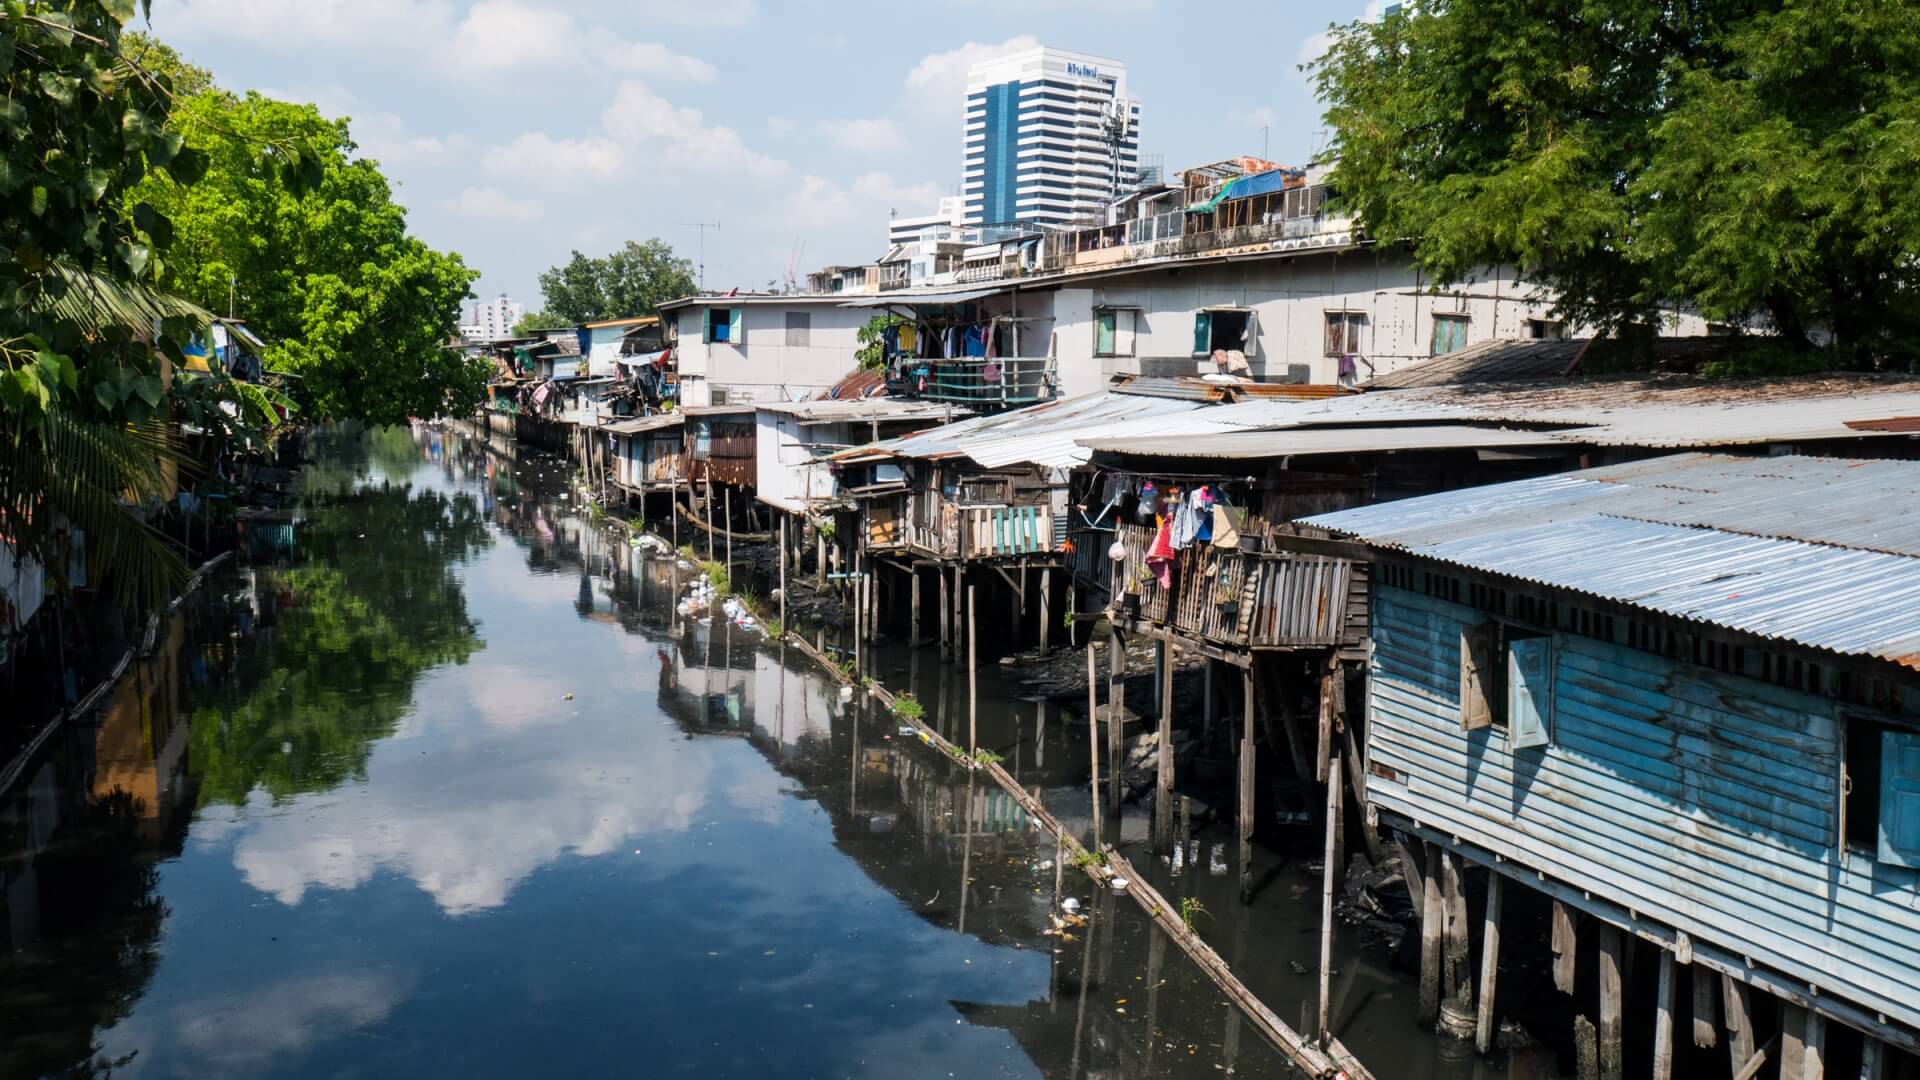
{"x": 1050, "y": 136}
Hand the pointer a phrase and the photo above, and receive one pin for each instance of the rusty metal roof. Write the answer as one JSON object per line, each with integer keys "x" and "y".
{"x": 1822, "y": 552}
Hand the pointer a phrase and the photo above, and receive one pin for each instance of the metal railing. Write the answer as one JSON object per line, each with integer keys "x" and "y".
{"x": 978, "y": 383}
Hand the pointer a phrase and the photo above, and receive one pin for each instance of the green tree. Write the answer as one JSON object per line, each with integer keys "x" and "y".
{"x": 1756, "y": 160}
{"x": 325, "y": 271}
{"x": 534, "y": 321}
{"x": 632, "y": 281}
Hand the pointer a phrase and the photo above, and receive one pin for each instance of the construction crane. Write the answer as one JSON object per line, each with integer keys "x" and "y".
{"x": 793, "y": 266}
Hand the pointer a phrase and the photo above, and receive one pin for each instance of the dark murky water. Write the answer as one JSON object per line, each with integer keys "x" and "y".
{"x": 348, "y": 822}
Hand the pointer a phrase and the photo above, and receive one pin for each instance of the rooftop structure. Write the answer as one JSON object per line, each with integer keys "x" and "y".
{"x": 1050, "y": 136}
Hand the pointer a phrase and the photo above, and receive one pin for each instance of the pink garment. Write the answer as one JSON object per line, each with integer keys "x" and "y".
{"x": 1160, "y": 555}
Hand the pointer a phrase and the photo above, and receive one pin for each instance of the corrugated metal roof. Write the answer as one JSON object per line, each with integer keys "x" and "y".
{"x": 881, "y": 408}
{"x": 1046, "y": 434}
{"x": 1489, "y": 361}
{"x": 642, "y": 423}
{"x": 904, "y": 296}
{"x": 1289, "y": 442}
{"x": 1819, "y": 551}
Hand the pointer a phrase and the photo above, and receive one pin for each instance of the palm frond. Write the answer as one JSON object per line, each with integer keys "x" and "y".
{"x": 95, "y": 477}
{"x": 96, "y": 303}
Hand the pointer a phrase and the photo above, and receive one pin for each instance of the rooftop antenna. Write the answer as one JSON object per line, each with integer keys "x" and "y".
{"x": 1263, "y": 143}
{"x": 703, "y": 226}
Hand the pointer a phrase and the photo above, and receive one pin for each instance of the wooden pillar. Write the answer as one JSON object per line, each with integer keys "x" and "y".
{"x": 1159, "y": 670}
{"x": 1457, "y": 980}
{"x": 1706, "y": 1011}
{"x": 783, "y": 574}
{"x": 1093, "y": 746}
{"x": 1873, "y": 1059}
{"x": 819, "y": 559}
{"x": 1046, "y": 615}
{"x": 913, "y": 590}
{"x": 726, "y": 492}
{"x": 960, "y": 603}
{"x": 1793, "y": 1047}
{"x": 1326, "y": 902}
{"x": 1163, "y": 788}
{"x": 973, "y": 662}
{"x": 1116, "y": 711}
{"x": 1489, "y": 960}
{"x": 1740, "y": 1044}
{"x": 707, "y": 512}
{"x": 1663, "y": 1019}
{"x": 1432, "y": 923}
{"x": 1611, "y": 1062}
{"x": 1565, "y": 947}
{"x": 945, "y": 616}
{"x": 1248, "y": 775}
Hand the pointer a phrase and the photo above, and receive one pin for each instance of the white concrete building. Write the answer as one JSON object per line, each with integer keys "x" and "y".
{"x": 492, "y": 320}
{"x": 739, "y": 349}
{"x": 947, "y": 219}
{"x": 1050, "y": 135}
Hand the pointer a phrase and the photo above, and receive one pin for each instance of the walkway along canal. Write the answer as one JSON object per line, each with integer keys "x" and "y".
{"x": 453, "y": 790}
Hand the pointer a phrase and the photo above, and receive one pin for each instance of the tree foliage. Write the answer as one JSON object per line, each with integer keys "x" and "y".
{"x": 632, "y": 281}
{"x": 535, "y": 321}
{"x": 1756, "y": 160}
{"x": 325, "y": 271}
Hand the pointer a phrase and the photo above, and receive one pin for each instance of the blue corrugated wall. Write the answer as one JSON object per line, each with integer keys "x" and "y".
{"x": 1706, "y": 802}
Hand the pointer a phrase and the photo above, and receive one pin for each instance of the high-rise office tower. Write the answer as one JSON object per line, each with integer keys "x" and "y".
{"x": 1050, "y": 136}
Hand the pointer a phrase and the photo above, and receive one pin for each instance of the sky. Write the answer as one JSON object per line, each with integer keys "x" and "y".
{"x": 518, "y": 131}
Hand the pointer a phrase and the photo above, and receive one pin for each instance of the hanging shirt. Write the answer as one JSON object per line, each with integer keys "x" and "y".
{"x": 906, "y": 338}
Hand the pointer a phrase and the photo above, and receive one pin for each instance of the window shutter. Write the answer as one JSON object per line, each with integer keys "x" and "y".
{"x": 1530, "y": 691}
{"x": 1202, "y": 333}
{"x": 1900, "y": 798}
{"x": 1103, "y": 333}
{"x": 734, "y": 334}
{"x": 1476, "y": 670}
{"x": 1123, "y": 329}
{"x": 1336, "y": 335}
{"x": 706, "y": 325}
{"x": 1252, "y": 344}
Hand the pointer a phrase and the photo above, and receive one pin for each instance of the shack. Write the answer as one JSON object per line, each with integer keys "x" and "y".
{"x": 1677, "y": 698}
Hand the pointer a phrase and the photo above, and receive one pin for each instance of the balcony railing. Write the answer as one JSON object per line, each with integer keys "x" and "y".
{"x": 979, "y": 384}
{"x": 948, "y": 531}
{"x": 1236, "y": 597}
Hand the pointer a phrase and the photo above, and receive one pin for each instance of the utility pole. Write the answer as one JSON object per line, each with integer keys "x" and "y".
{"x": 703, "y": 226}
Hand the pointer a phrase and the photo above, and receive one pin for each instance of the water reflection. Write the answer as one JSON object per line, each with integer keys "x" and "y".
{"x": 455, "y": 792}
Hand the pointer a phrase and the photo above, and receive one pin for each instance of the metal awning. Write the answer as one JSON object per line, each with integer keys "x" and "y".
{"x": 960, "y": 296}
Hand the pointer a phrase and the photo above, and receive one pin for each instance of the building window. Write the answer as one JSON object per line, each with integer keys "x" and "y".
{"x": 1880, "y": 793}
{"x": 723, "y": 324}
{"x": 1506, "y": 682}
{"x": 1343, "y": 332}
{"x": 1449, "y": 334}
{"x": 1224, "y": 328}
{"x": 799, "y": 326}
{"x": 1113, "y": 331}
{"x": 1546, "y": 329}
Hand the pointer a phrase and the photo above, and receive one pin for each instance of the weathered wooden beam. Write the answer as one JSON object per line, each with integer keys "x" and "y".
{"x": 1317, "y": 545}
{"x": 1793, "y": 1045}
{"x": 1248, "y": 775}
{"x": 1873, "y": 1059}
{"x": 1163, "y": 786}
{"x": 1566, "y": 947}
{"x": 973, "y": 686}
{"x": 1046, "y": 612}
{"x": 1752, "y": 1066}
{"x": 1663, "y": 1020}
{"x": 1327, "y": 874}
{"x": 1612, "y": 1063}
{"x": 1489, "y": 966}
{"x": 1740, "y": 1048}
{"x": 1116, "y": 713}
{"x": 1093, "y": 743}
{"x": 1432, "y": 926}
{"x": 1458, "y": 986}
{"x": 1706, "y": 1008}
{"x": 1815, "y": 1047}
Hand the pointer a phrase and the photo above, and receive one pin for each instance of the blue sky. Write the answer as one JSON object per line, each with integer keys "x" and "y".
{"x": 518, "y": 130}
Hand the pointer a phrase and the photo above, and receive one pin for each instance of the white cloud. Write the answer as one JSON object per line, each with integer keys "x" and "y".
{"x": 939, "y": 79}
{"x": 1251, "y": 118}
{"x": 638, "y": 117}
{"x": 246, "y": 1032}
{"x": 491, "y": 204}
{"x": 781, "y": 127}
{"x": 864, "y": 135}
{"x": 694, "y": 12}
{"x": 384, "y": 138}
{"x": 655, "y": 60}
{"x": 540, "y": 156}
{"x": 301, "y": 24}
{"x": 817, "y": 202}
{"x": 1315, "y": 46}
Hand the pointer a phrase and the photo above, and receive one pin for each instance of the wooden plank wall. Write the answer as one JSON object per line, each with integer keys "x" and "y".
{"x": 1704, "y": 801}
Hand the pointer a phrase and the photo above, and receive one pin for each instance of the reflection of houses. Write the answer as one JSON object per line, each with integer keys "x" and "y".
{"x": 1678, "y": 697}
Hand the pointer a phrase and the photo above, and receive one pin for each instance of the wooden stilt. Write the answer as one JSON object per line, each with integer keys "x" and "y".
{"x": 1586, "y": 1049}
{"x": 1611, "y": 1062}
{"x": 1815, "y": 1066}
{"x": 1793, "y": 1041}
{"x": 973, "y": 690}
{"x": 1706, "y": 1010}
{"x": 1873, "y": 1059}
{"x": 1093, "y": 745}
{"x": 1248, "y": 775}
{"x": 707, "y": 512}
{"x": 1116, "y": 710}
{"x": 1457, "y": 984}
{"x": 1663, "y": 1020}
{"x": 1740, "y": 1042}
{"x": 1163, "y": 789}
{"x": 1771, "y": 1051}
{"x": 913, "y": 592}
{"x": 820, "y": 559}
{"x": 1565, "y": 947}
{"x": 945, "y": 615}
{"x": 1489, "y": 965}
{"x": 1326, "y": 903}
{"x": 1432, "y": 919}
{"x": 726, "y": 493}
{"x": 1046, "y": 613}
{"x": 783, "y": 574}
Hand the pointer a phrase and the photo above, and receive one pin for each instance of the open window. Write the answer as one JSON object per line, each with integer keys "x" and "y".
{"x": 1449, "y": 334}
{"x": 1880, "y": 792}
{"x": 1506, "y": 682}
{"x": 1224, "y": 328}
{"x": 1343, "y": 332}
{"x": 1546, "y": 330}
{"x": 1113, "y": 331}
{"x": 723, "y": 324}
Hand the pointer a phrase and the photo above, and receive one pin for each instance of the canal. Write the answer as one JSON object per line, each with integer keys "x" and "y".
{"x": 451, "y": 788}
